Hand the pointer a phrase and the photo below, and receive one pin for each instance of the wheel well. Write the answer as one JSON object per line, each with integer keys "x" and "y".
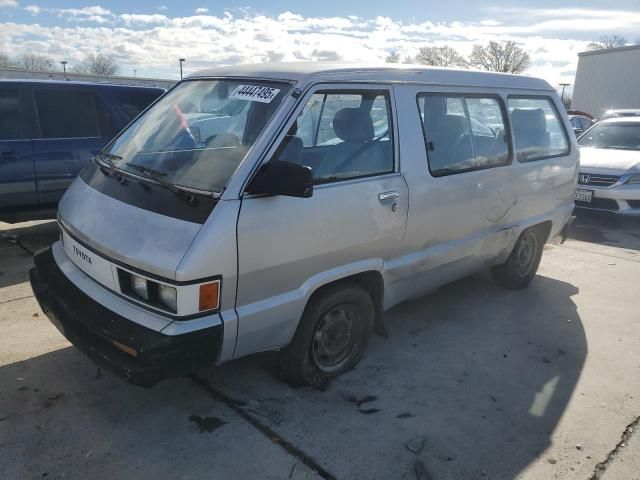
{"x": 373, "y": 284}
{"x": 545, "y": 229}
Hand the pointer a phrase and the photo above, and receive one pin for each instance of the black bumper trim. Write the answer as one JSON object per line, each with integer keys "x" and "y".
{"x": 92, "y": 328}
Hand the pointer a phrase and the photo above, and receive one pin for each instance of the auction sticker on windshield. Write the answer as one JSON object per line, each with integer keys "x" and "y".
{"x": 255, "y": 93}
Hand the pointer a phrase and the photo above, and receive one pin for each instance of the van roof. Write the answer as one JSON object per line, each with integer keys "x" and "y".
{"x": 72, "y": 82}
{"x": 306, "y": 72}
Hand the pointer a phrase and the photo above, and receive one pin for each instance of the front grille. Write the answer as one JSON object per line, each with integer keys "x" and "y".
{"x": 595, "y": 180}
{"x": 601, "y": 203}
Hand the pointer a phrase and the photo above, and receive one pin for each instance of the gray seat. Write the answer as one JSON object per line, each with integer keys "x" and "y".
{"x": 451, "y": 143}
{"x": 358, "y": 153}
{"x": 530, "y": 130}
{"x": 291, "y": 151}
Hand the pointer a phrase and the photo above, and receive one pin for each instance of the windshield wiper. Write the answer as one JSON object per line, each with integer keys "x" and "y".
{"x": 104, "y": 159}
{"x": 158, "y": 177}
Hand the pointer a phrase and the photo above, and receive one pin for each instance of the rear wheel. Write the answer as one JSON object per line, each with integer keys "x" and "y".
{"x": 332, "y": 335}
{"x": 521, "y": 266}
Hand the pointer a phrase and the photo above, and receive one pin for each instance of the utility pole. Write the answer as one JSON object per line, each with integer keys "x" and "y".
{"x": 181, "y": 60}
{"x": 64, "y": 67}
{"x": 563, "y": 85}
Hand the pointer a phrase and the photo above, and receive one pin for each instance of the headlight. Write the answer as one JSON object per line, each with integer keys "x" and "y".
{"x": 169, "y": 297}
{"x": 634, "y": 178}
{"x": 140, "y": 287}
{"x": 194, "y": 297}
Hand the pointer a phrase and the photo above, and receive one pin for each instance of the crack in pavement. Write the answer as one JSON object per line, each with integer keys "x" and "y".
{"x": 575, "y": 248}
{"x": 235, "y": 405}
{"x": 14, "y": 240}
{"x": 601, "y": 467}
{"x": 15, "y": 299}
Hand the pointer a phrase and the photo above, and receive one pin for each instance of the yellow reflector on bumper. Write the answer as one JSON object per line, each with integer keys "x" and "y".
{"x": 125, "y": 348}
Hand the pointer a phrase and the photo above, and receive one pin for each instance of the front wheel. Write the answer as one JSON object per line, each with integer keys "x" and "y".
{"x": 521, "y": 266}
{"x": 332, "y": 335}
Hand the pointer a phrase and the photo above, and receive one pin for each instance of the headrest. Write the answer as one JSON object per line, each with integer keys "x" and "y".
{"x": 456, "y": 123}
{"x": 529, "y": 119}
{"x": 353, "y": 125}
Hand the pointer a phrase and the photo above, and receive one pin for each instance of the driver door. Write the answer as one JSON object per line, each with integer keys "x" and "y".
{"x": 355, "y": 220}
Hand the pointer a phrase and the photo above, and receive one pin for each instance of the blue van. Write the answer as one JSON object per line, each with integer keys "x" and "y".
{"x": 49, "y": 130}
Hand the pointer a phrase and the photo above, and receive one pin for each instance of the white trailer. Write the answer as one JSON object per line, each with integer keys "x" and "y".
{"x": 607, "y": 79}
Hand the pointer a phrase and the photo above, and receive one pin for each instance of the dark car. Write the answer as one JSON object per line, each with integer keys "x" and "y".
{"x": 580, "y": 124}
{"x": 49, "y": 130}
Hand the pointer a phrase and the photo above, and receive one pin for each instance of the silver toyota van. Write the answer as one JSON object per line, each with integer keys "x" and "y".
{"x": 287, "y": 206}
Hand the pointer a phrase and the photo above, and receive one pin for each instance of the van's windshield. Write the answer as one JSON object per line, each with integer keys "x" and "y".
{"x": 198, "y": 133}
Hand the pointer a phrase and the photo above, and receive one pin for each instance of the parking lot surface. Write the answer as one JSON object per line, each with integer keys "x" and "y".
{"x": 473, "y": 382}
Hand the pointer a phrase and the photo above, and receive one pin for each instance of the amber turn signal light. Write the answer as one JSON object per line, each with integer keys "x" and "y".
{"x": 125, "y": 348}
{"x": 209, "y": 296}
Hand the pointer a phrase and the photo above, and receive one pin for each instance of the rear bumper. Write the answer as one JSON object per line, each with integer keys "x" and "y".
{"x": 93, "y": 329}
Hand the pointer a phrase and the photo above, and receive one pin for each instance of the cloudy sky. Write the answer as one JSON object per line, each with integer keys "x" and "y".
{"x": 151, "y": 35}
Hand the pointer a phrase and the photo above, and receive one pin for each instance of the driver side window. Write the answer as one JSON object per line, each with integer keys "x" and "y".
{"x": 341, "y": 135}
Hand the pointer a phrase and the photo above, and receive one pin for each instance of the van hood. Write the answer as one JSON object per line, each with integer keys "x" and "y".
{"x": 149, "y": 241}
{"x": 608, "y": 160}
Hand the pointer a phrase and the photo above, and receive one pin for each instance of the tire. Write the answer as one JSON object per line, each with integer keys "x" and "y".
{"x": 331, "y": 337}
{"x": 521, "y": 266}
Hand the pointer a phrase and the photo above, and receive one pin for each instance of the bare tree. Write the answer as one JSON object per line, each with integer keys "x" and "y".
{"x": 5, "y": 61}
{"x": 393, "y": 57}
{"x": 440, "y": 57}
{"x": 608, "y": 41}
{"x": 36, "y": 62}
{"x": 505, "y": 57}
{"x": 97, "y": 65}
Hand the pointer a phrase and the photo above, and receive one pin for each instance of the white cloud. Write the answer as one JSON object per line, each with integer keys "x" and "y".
{"x": 140, "y": 19}
{"x": 201, "y": 10}
{"x": 153, "y": 42}
{"x": 94, "y": 13}
{"x": 162, "y": 8}
{"x": 8, "y": 3}
{"x": 34, "y": 9}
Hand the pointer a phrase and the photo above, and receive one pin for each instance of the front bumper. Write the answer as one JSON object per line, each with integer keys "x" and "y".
{"x": 96, "y": 330}
{"x": 621, "y": 199}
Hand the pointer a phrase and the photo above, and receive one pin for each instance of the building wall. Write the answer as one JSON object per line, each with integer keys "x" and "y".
{"x": 607, "y": 79}
{"x": 19, "y": 73}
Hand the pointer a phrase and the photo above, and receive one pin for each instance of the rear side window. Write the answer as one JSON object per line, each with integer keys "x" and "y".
{"x": 463, "y": 133}
{"x": 537, "y": 129}
{"x": 10, "y": 114}
{"x": 66, "y": 113}
{"x": 342, "y": 135}
{"x": 135, "y": 101}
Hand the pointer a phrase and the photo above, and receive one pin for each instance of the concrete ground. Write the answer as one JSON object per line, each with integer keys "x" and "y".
{"x": 474, "y": 382}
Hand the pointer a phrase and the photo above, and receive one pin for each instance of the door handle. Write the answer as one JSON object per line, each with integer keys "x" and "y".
{"x": 8, "y": 155}
{"x": 386, "y": 196}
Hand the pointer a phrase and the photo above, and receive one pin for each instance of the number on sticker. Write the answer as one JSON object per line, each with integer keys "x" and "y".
{"x": 254, "y": 93}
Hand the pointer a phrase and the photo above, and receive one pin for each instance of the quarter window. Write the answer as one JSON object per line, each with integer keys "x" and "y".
{"x": 463, "y": 133}
{"x": 10, "y": 118}
{"x": 66, "y": 113}
{"x": 537, "y": 129}
{"x": 341, "y": 135}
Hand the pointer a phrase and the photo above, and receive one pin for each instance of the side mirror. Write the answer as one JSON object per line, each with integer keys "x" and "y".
{"x": 283, "y": 178}
{"x": 577, "y": 131}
